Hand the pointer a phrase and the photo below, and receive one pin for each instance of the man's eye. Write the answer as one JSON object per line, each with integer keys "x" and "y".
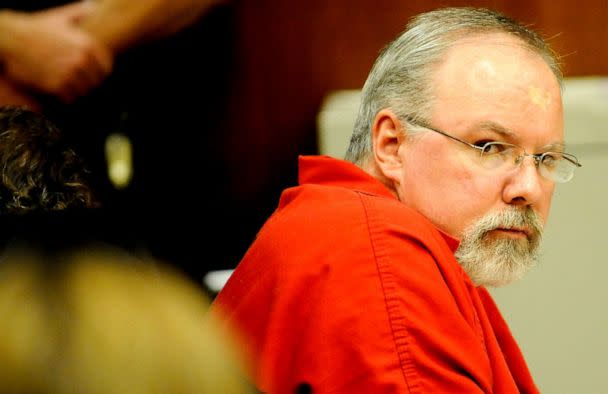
{"x": 490, "y": 147}
{"x": 551, "y": 159}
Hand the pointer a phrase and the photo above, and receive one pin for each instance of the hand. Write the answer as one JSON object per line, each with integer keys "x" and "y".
{"x": 50, "y": 53}
{"x": 11, "y": 94}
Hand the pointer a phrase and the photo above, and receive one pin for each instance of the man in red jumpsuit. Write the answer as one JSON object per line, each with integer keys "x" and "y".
{"x": 370, "y": 276}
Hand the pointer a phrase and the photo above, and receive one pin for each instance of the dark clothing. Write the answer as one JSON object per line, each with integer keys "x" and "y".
{"x": 170, "y": 99}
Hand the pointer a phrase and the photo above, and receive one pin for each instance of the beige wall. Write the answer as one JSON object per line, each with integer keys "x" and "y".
{"x": 557, "y": 311}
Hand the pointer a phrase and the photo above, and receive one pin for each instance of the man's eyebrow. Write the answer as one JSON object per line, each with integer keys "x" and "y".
{"x": 497, "y": 128}
{"x": 503, "y": 131}
{"x": 558, "y": 147}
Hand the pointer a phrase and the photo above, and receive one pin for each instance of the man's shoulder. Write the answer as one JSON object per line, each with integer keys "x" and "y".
{"x": 328, "y": 206}
{"x": 385, "y": 214}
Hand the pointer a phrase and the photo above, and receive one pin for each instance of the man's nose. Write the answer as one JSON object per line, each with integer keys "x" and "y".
{"x": 524, "y": 184}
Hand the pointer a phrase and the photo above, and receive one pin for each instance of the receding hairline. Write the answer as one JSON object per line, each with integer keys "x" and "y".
{"x": 498, "y": 38}
{"x": 468, "y": 36}
{"x": 421, "y": 49}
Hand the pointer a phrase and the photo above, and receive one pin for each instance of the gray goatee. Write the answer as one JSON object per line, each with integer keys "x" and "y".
{"x": 495, "y": 260}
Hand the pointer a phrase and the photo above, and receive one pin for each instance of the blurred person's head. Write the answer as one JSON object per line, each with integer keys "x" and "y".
{"x": 461, "y": 118}
{"x": 39, "y": 172}
{"x": 100, "y": 321}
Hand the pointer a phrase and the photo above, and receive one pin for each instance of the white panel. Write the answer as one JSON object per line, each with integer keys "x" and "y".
{"x": 335, "y": 121}
{"x": 556, "y": 312}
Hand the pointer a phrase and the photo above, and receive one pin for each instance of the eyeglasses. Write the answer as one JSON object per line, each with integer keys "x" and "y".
{"x": 555, "y": 166}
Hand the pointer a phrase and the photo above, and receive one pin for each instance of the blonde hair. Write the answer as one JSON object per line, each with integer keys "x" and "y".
{"x": 104, "y": 322}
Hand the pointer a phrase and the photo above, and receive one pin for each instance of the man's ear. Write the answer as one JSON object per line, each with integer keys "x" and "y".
{"x": 387, "y": 136}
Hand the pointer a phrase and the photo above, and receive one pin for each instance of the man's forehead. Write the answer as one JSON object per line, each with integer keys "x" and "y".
{"x": 489, "y": 59}
{"x": 495, "y": 79}
{"x": 540, "y": 97}
{"x": 498, "y": 68}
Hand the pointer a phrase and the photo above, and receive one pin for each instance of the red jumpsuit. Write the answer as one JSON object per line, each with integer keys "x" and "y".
{"x": 348, "y": 290}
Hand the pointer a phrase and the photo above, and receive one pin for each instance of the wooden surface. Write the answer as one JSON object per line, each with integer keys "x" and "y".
{"x": 290, "y": 54}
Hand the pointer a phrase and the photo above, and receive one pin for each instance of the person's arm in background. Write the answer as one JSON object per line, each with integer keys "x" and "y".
{"x": 45, "y": 51}
{"x": 67, "y": 51}
{"x": 14, "y": 94}
{"x": 122, "y": 24}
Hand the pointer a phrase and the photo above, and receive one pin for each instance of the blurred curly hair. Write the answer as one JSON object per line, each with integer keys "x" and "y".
{"x": 38, "y": 171}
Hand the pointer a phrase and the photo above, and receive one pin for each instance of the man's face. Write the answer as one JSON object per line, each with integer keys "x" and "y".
{"x": 489, "y": 88}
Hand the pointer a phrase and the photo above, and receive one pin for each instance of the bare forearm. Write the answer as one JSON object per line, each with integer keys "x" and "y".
{"x": 47, "y": 52}
{"x": 8, "y": 23}
{"x": 120, "y": 24}
{"x": 11, "y": 94}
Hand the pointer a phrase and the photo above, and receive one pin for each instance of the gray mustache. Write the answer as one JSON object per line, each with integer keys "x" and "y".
{"x": 513, "y": 218}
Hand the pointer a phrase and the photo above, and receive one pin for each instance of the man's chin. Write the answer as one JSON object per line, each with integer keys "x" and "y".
{"x": 500, "y": 261}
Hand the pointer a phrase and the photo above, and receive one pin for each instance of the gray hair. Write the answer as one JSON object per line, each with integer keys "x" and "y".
{"x": 400, "y": 78}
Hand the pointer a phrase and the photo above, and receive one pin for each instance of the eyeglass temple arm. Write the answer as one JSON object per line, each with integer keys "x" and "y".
{"x": 421, "y": 124}
{"x": 572, "y": 159}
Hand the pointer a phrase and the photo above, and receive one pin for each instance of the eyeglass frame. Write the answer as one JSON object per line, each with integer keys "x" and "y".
{"x": 537, "y": 157}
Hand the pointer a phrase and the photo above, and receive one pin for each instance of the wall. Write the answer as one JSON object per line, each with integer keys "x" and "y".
{"x": 557, "y": 311}
{"x": 289, "y": 55}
